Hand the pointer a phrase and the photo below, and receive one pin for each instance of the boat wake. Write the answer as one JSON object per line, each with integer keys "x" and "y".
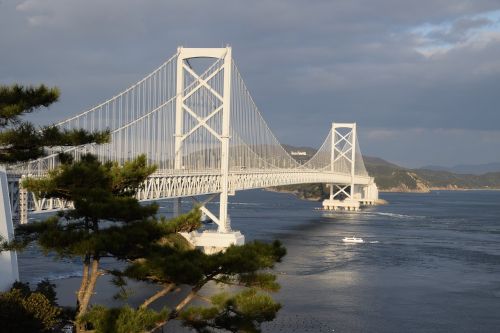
{"x": 398, "y": 216}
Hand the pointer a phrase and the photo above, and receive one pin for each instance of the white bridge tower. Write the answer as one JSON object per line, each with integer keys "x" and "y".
{"x": 343, "y": 159}
{"x": 220, "y": 108}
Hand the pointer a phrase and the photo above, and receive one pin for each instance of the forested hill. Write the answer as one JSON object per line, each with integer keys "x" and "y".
{"x": 392, "y": 177}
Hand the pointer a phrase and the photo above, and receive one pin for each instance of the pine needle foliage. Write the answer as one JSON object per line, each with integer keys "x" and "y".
{"x": 106, "y": 219}
{"x": 241, "y": 312}
{"x": 244, "y": 269}
{"x": 20, "y": 140}
{"x": 123, "y": 320}
{"x": 23, "y": 310}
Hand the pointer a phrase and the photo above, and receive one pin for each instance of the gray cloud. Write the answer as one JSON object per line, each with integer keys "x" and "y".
{"x": 307, "y": 63}
{"x": 459, "y": 31}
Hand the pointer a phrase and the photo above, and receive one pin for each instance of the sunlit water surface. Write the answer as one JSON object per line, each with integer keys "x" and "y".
{"x": 430, "y": 262}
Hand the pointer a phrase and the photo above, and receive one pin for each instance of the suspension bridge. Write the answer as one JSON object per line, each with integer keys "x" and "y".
{"x": 194, "y": 118}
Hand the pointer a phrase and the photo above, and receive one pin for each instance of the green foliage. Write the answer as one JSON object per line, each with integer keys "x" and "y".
{"x": 22, "y": 287}
{"x": 236, "y": 265}
{"x": 13, "y": 315}
{"x": 16, "y": 100}
{"x": 306, "y": 191}
{"x": 98, "y": 191}
{"x": 183, "y": 223}
{"x": 106, "y": 221}
{"x": 22, "y": 141}
{"x": 241, "y": 312}
{"x": 46, "y": 288}
{"x": 264, "y": 281}
{"x": 240, "y": 266}
{"x": 22, "y": 310}
{"x": 101, "y": 194}
{"x": 53, "y": 136}
{"x": 123, "y": 320}
{"x": 248, "y": 258}
{"x": 42, "y": 309}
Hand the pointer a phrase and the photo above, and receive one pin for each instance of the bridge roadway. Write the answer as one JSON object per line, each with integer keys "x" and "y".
{"x": 163, "y": 185}
{"x": 170, "y": 184}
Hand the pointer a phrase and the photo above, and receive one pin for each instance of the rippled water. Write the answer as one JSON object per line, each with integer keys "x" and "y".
{"x": 430, "y": 263}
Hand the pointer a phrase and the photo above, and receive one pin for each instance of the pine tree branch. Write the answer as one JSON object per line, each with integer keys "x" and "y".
{"x": 182, "y": 304}
{"x": 166, "y": 289}
{"x": 203, "y": 298}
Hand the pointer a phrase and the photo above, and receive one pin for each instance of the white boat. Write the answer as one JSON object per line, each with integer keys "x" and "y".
{"x": 352, "y": 240}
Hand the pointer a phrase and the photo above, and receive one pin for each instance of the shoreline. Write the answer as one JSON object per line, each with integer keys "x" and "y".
{"x": 433, "y": 189}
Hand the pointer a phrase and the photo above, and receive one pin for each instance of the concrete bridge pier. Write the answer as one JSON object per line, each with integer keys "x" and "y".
{"x": 177, "y": 209}
{"x": 350, "y": 201}
{"x": 369, "y": 195}
{"x": 346, "y": 204}
{"x": 213, "y": 241}
{"x": 356, "y": 196}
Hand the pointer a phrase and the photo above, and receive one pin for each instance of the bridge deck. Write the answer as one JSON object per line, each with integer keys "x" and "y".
{"x": 172, "y": 185}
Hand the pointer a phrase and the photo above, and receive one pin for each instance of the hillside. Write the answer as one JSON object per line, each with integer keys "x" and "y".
{"x": 392, "y": 177}
{"x": 472, "y": 169}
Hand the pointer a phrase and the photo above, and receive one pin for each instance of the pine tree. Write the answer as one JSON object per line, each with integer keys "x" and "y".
{"x": 245, "y": 269}
{"x": 106, "y": 221}
{"x": 23, "y": 141}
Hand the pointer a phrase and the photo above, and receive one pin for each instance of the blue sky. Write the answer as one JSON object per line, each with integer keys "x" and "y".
{"x": 421, "y": 78}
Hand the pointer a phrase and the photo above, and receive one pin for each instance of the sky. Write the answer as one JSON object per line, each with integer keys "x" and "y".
{"x": 420, "y": 78}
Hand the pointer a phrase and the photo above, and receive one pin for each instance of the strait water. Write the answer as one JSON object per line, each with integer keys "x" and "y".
{"x": 430, "y": 262}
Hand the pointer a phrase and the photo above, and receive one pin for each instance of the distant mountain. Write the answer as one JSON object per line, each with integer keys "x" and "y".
{"x": 472, "y": 169}
{"x": 392, "y": 177}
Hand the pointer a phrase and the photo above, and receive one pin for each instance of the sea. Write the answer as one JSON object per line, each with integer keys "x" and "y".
{"x": 430, "y": 262}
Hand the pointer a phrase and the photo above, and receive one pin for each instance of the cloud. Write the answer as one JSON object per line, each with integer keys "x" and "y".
{"x": 384, "y": 64}
{"x": 466, "y": 31}
{"x": 416, "y": 147}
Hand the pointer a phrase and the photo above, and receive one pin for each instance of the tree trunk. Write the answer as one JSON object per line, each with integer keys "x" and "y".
{"x": 89, "y": 291}
{"x": 85, "y": 279}
{"x": 161, "y": 293}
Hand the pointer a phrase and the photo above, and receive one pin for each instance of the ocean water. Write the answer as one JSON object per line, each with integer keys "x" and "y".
{"x": 430, "y": 262}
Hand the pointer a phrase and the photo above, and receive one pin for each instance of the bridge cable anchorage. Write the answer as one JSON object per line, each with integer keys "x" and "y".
{"x": 195, "y": 118}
